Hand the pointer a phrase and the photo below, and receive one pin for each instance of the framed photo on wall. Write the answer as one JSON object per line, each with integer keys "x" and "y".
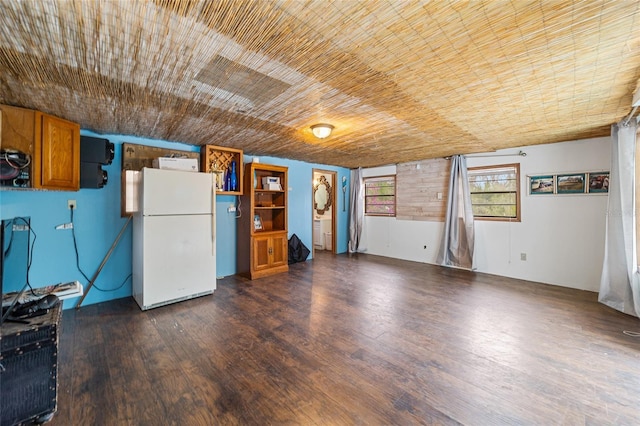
{"x": 541, "y": 184}
{"x": 598, "y": 182}
{"x": 571, "y": 184}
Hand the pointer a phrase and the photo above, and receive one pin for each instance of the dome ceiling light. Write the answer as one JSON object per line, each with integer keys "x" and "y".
{"x": 321, "y": 130}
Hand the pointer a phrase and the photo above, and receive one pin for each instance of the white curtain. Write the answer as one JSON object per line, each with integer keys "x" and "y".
{"x": 456, "y": 248}
{"x": 356, "y": 210}
{"x": 620, "y": 284}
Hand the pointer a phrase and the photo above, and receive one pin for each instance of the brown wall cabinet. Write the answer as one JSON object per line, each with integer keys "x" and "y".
{"x": 262, "y": 231}
{"x": 52, "y": 143}
{"x": 217, "y": 159}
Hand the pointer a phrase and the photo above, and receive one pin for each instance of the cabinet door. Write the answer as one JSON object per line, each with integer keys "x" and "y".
{"x": 279, "y": 245}
{"x": 261, "y": 255}
{"x": 60, "y": 151}
{"x": 17, "y": 129}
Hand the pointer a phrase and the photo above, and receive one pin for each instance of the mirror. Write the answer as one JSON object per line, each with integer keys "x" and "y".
{"x": 322, "y": 196}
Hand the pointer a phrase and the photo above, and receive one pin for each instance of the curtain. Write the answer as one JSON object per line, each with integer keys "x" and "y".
{"x": 456, "y": 248}
{"x": 620, "y": 284}
{"x": 356, "y": 210}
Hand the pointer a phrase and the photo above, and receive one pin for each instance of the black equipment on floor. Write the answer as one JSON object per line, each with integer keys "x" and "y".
{"x": 28, "y": 368}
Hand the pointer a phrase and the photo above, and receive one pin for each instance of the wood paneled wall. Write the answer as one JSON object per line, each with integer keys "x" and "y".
{"x": 417, "y": 187}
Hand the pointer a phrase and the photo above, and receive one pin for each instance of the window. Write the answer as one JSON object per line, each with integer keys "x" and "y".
{"x": 495, "y": 192}
{"x": 380, "y": 196}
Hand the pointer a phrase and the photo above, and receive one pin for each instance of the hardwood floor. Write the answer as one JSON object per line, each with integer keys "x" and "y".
{"x": 361, "y": 340}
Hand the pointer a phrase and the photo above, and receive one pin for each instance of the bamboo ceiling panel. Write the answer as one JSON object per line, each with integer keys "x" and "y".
{"x": 401, "y": 81}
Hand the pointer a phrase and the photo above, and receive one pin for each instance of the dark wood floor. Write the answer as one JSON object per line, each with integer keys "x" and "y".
{"x": 362, "y": 340}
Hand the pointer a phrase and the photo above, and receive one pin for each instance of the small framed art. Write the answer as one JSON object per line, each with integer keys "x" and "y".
{"x": 598, "y": 182}
{"x": 571, "y": 184}
{"x": 541, "y": 184}
{"x": 257, "y": 222}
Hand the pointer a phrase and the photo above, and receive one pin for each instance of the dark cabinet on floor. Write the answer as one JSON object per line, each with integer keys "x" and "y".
{"x": 28, "y": 377}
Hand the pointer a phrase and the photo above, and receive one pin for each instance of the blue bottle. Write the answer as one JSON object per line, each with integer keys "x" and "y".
{"x": 227, "y": 180}
{"x": 234, "y": 177}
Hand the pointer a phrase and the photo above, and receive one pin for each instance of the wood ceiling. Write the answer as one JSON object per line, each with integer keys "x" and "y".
{"x": 400, "y": 80}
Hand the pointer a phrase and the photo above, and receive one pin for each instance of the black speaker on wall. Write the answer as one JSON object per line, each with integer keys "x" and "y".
{"x": 93, "y": 153}
{"x": 92, "y": 175}
{"x": 96, "y": 150}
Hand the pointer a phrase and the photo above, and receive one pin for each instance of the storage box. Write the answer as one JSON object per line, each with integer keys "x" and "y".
{"x": 271, "y": 183}
{"x": 169, "y": 163}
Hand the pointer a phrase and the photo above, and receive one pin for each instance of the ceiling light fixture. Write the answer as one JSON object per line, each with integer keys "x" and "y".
{"x": 321, "y": 130}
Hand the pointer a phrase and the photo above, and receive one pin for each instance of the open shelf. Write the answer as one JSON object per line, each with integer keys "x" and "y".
{"x": 217, "y": 159}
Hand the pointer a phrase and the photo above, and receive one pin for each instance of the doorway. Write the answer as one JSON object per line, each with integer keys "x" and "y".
{"x": 323, "y": 210}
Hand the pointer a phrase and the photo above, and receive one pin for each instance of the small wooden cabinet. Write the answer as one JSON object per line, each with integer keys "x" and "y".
{"x": 262, "y": 231}
{"x": 270, "y": 252}
{"x": 52, "y": 143}
{"x": 217, "y": 159}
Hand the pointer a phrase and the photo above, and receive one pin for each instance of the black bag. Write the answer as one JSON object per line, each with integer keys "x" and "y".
{"x": 298, "y": 252}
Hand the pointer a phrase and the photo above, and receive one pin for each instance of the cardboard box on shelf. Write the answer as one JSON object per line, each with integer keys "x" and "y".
{"x": 170, "y": 163}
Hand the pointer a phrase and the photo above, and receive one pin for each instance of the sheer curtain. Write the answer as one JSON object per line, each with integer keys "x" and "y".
{"x": 620, "y": 284}
{"x": 456, "y": 248}
{"x": 356, "y": 210}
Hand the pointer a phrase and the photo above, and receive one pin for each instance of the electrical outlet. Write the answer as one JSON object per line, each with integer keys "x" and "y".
{"x": 71, "y": 204}
{"x": 231, "y": 208}
{"x": 523, "y": 256}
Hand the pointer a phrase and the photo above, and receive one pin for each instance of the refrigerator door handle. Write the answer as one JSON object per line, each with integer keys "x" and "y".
{"x": 213, "y": 214}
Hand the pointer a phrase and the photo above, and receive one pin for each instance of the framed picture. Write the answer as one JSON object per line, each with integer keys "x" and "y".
{"x": 571, "y": 184}
{"x": 541, "y": 184}
{"x": 598, "y": 182}
{"x": 257, "y": 222}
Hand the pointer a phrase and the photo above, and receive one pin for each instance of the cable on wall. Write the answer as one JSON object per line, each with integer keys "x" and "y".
{"x": 8, "y": 311}
{"x": 239, "y": 208}
{"x": 75, "y": 246}
{"x": 91, "y": 283}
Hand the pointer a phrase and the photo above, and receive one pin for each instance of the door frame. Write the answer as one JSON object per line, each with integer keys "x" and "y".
{"x": 334, "y": 182}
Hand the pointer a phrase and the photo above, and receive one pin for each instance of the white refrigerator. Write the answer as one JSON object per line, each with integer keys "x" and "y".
{"x": 174, "y": 237}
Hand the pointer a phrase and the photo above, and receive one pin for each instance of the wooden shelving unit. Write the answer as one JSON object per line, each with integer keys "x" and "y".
{"x": 262, "y": 231}
{"x": 217, "y": 159}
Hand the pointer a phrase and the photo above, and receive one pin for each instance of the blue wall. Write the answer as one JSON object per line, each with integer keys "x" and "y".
{"x": 97, "y": 223}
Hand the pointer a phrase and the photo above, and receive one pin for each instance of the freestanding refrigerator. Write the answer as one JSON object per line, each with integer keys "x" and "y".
{"x": 174, "y": 237}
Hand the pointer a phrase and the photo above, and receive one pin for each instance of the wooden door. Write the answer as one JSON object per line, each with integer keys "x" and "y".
{"x": 60, "y": 154}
